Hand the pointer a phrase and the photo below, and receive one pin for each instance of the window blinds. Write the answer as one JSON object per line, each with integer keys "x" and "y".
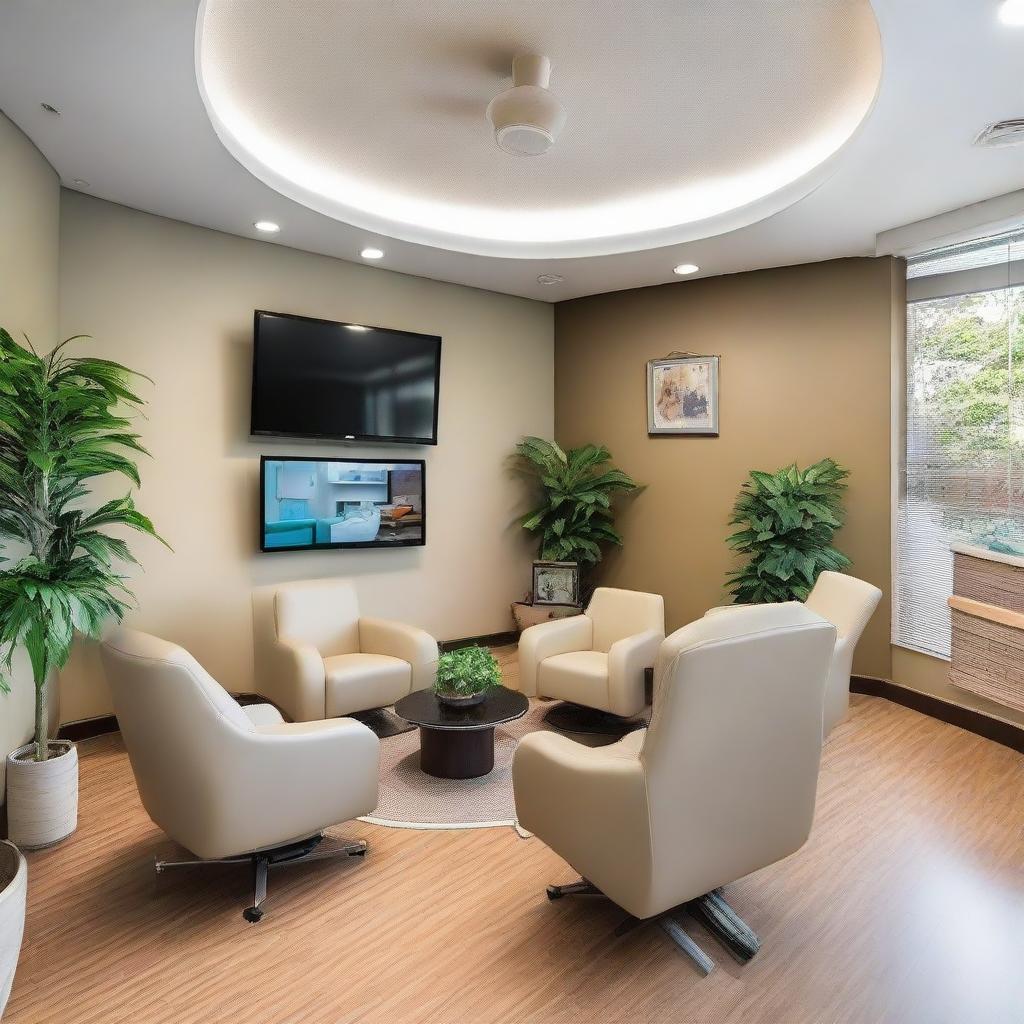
{"x": 962, "y": 474}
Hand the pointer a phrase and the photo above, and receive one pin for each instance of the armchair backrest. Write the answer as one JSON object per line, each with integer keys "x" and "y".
{"x": 848, "y": 603}
{"x": 845, "y": 601}
{"x": 321, "y": 613}
{"x": 617, "y": 614}
{"x": 176, "y": 721}
{"x": 732, "y": 753}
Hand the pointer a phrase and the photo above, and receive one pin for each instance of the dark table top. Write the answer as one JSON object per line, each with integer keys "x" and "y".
{"x": 499, "y": 706}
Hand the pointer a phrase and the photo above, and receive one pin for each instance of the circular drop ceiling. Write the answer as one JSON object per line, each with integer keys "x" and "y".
{"x": 684, "y": 118}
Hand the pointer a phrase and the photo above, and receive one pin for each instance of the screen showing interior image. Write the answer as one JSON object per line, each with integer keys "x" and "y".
{"x": 315, "y": 378}
{"x": 333, "y": 503}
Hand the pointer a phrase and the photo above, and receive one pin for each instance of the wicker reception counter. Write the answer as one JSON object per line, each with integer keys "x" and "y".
{"x": 987, "y": 609}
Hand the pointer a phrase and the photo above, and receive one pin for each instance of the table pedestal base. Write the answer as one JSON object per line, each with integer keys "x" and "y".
{"x": 456, "y": 753}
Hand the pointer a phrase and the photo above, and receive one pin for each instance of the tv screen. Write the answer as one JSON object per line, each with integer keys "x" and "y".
{"x": 340, "y": 503}
{"x": 348, "y": 382}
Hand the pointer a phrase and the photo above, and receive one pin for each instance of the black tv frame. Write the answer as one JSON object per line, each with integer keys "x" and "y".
{"x": 350, "y": 438}
{"x": 264, "y": 459}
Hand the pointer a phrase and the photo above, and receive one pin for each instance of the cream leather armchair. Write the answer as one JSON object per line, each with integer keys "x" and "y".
{"x": 233, "y": 784}
{"x": 848, "y": 603}
{"x": 721, "y": 784}
{"x": 324, "y": 659}
{"x": 596, "y": 659}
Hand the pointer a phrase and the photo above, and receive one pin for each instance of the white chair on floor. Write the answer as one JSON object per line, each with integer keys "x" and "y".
{"x": 232, "y": 784}
{"x": 597, "y": 659}
{"x": 848, "y": 603}
{"x": 324, "y": 659}
{"x": 721, "y": 784}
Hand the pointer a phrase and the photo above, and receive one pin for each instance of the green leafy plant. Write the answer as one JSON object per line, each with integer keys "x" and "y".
{"x": 60, "y": 428}
{"x": 576, "y": 515}
{"x": 788, "y": 519}
{"x": 467, "y": 671}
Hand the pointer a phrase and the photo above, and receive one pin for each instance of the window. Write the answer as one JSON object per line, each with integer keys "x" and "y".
{"x": 962, "y": 475}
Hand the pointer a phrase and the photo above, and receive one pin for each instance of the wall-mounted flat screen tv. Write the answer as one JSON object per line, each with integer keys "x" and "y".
{"x": 347, "y": 382}
{"x": 341, "y": 503}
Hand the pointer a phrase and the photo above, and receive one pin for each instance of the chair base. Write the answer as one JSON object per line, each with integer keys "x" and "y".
{"x": 568, "y": 717}
{"x": 711, "y": 910}
{"x": 279, "y": 856}
{"x": 382, "y": 722}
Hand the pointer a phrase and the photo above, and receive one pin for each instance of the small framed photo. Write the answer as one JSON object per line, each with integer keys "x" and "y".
{"x": 682, "y": 395}
{"x": 556, "y": 583}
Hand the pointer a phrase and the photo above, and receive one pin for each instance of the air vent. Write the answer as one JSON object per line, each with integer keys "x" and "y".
{"x": 1002, "y": 133}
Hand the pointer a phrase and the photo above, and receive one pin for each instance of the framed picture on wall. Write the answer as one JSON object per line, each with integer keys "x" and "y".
{"x": 682, "y": 395}
{"x": 556, "y": 583}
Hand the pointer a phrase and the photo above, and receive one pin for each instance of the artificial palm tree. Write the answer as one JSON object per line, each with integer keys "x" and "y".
{"x": 60, "y": 426}
{"x": 576, "y": 517}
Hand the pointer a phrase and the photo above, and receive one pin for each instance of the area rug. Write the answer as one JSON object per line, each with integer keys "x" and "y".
{"x": 411, "y": 799}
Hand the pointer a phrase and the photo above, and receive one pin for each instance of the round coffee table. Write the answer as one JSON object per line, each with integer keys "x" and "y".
{"x": 458, "y": 743}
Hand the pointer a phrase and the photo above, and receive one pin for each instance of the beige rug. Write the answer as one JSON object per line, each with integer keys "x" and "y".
{"x": 411, "y": 799}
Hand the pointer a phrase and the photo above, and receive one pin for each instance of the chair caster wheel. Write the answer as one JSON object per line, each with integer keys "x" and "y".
{"x": 252, "y": 914}
{"x": 554, "y": 892}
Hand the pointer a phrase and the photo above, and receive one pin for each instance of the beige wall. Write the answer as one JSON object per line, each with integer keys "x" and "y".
{"x": 805, "y": 373}
{"x": 29, "y": 213}
{"x": 175, "y": 302}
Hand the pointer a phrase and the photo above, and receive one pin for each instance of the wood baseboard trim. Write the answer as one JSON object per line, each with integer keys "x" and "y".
{"x": 87, "y": 728}
{"x": 487, "y": 640}
{"x": 994, "y": 729}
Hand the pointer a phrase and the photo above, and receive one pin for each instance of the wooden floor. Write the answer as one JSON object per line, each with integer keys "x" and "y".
{"x": 907, "y": 905}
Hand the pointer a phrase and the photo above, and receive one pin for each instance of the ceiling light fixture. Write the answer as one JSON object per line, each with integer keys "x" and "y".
{"x": 685, "y": 268}
{"x": 80, "y": 182}
{"x": 356, "y": 327}
{"x": 1012, "y": 12}
{"x": 371, "y": 253}
{"x": 527, "y": 118}
{"x": 267, "y": 227}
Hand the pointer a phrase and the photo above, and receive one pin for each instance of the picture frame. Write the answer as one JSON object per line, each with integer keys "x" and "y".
{"x": 682, "y": 395}
{"x": 556, "y": 583}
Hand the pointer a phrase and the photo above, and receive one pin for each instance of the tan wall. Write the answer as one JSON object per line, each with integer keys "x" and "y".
{"x": 29, "y": 213}
{"x": 176, "y": 302}
{"x": 805, "y": 373}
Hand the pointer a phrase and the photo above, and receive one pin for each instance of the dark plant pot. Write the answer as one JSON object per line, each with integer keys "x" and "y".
{"x": 460, "y": 701}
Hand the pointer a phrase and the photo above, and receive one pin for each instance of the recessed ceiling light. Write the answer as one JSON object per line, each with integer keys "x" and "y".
{"x": 50, "y": 108}
{"x": 550, "y": 279}
{"x": 371, "y": 253}
{"x": 80, "y": 182}
{"x": 685, "y": 268}
{"x": 267, "y": 226}
{"x": 1012, "y": 12}
{"x": 356, "y": 327}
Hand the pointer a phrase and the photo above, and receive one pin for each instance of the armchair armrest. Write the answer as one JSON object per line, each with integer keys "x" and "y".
{"x": 545, "y": 640}
{"x": 398, "y": 640}
{"x": 627, "y": 659}
{"x": 301, "y": 776}
{"x": 298, "y": 680}
{"x": 589, "y": 804}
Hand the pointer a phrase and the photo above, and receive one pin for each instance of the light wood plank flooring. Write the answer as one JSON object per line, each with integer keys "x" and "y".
{"x": 907, "y": 905}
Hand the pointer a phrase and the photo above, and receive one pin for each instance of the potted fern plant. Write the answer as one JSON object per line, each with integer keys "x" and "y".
{"x": 787, "y": 520}
{"x": 60, "y": 427}
{"x": 464, "y": 676}
{"x": 575, "y": 519}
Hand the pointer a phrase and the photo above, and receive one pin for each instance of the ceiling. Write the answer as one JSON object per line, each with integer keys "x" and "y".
{"x": 734, "y": 136}
{"x": 379, "y": 120}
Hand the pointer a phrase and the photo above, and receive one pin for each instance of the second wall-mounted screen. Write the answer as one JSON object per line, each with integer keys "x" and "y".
{"x": 341, "y": 503}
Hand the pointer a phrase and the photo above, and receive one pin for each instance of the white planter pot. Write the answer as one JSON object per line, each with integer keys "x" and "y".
{"x": 13, "y": 888}
{"x": 42, "y": 796}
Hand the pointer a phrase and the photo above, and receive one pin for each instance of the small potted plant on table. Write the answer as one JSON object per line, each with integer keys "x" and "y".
{"x": 464, "y": 676}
